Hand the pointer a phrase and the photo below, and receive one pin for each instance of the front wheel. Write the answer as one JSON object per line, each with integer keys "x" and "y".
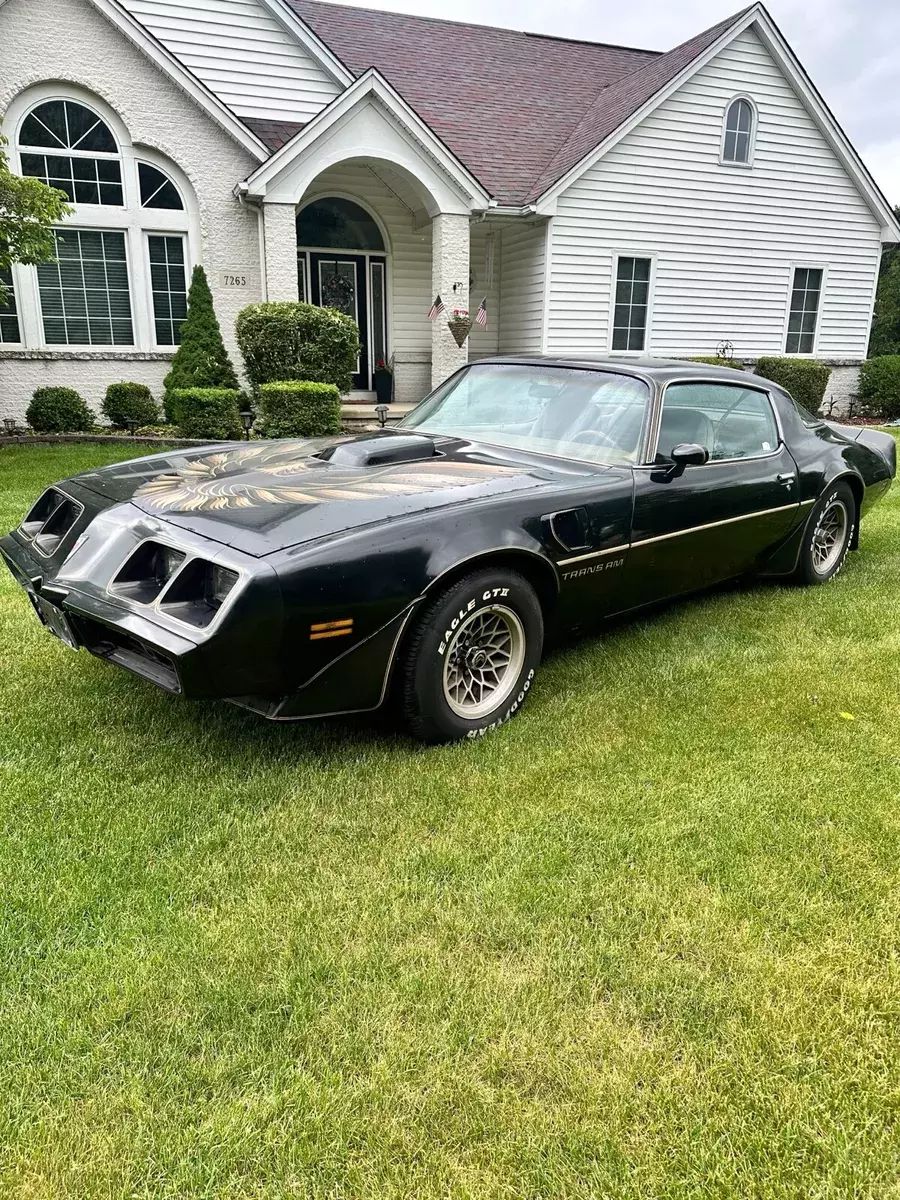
{"x": 471, "y": 657}
{"x": 828, "y": 534}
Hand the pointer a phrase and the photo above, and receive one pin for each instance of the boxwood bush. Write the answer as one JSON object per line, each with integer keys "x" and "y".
{"x": 286, "y": 340}
{"x": 879, "y": 386}
{"x": 207, "y": 412}
{"x": 126, "y": 402}
{"x": 59, "y": 410}
{"x": 292, "y": 408}
{"x": 804, "y": 378}
{"x": 735, "y": 363}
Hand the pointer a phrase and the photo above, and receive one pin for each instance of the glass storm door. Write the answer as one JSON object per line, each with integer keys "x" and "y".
{"x": 339, "y": 281}
{"x": 353, "y": 284}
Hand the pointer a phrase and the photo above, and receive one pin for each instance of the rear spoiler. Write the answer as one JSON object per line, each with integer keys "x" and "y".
{"x": 875, "y": 439}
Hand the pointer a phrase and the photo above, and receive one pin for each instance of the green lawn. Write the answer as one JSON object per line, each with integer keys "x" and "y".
{"x": 641, "y": 942}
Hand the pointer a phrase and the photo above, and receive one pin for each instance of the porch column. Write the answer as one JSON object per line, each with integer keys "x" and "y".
{"x": 280, "y": 230}
{"x": 449, "y": 266}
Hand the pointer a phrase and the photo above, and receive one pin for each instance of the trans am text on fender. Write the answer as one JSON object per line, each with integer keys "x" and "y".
{"x": 425, "y": 564}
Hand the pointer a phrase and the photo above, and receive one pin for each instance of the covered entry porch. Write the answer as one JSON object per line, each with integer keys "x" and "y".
{"x": 380, "y": 232}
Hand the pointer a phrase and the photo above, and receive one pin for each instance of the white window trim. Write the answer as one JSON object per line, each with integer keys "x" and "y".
{"x": 754, "y": 125}
{"x": 651, "y": 291}
{"x": 20, "y": 344}
{"x": 188, "y": 268}
{"x": 92, "y": 347}
{"x": 131, "y": 219}
{"x": 793, "y": 267}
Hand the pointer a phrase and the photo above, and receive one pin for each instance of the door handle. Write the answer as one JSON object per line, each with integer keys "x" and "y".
{"x": 786, "y": 480}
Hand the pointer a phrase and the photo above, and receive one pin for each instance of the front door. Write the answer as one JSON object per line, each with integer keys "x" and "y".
{"x": 712, "y": 522}
{"x": 340, "y": 280}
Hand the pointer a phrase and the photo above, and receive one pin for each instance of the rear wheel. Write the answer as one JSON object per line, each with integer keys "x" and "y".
{"x": 829, "y": 532}
{"x": 471, "y": 657}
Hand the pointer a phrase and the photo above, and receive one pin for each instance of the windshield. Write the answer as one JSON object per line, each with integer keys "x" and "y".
{"x": 595, "y": 416}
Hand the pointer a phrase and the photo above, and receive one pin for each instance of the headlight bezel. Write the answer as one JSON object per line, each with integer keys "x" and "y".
{"x": 192, "y": 589}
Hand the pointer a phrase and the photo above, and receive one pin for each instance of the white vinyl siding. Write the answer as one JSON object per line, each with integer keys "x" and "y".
{"x": 242, "y": 54}
{"x": 522, "y": 288}
{"x": 725, "y": 241}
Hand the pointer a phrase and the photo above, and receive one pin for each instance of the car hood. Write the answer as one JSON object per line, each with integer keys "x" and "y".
{"x": 266, "y": 496}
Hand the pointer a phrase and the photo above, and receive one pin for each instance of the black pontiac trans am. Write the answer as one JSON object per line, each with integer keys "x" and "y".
{"x": 427, "y": 562}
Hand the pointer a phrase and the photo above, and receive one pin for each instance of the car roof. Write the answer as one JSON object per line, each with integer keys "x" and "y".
{"x": 660, "y": 369}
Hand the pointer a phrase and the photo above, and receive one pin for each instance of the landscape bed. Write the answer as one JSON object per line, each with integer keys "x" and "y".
{"x": 640, "y": 943}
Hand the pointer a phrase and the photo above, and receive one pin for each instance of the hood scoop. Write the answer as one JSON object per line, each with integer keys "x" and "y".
{"x": 380, "y": 450}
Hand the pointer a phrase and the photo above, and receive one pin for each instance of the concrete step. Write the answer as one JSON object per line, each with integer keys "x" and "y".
{"x": 364, "y": 416}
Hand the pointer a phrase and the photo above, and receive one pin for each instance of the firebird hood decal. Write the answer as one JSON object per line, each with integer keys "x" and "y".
{"x": 262, "y": 475}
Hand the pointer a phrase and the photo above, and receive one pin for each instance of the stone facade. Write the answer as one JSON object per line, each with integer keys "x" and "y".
{"x": 69, "y": 41}
{"x": 450, "y": 281}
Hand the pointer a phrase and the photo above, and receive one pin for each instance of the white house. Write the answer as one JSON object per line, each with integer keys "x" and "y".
{"x": 598, "y": 198}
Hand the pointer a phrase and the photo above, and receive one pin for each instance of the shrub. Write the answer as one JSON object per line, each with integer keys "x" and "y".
{"x": 126, "y": 402}
{"x": 805, "y": 379}
{"x": 292, "y": 408}
{"x": 164, "y": 432}
{"x": 879, "y": 386}
{"x": 201, "y": 361}
{"x": 885, "y": 336}
{"x": 285, "y": 340}
{"x": 718, "y": 362}
{"x": 207, "y": 412}
{"x": 58, "y": 410}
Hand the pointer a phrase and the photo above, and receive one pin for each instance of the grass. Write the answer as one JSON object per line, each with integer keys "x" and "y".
{"x": 641, "y": 943}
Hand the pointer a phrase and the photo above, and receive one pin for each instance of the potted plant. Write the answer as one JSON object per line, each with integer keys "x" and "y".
{"x": 384, "y": 382}
{"x": 460, "y": 324}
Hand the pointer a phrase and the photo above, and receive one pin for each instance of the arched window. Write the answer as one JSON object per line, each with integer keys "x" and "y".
{"x": 122, "y": 260}
{"x": 68, "y": 146}
{"x": 335, "y": 223}
{"x": 157, "y": 189}
{"x": 738, "y": 132}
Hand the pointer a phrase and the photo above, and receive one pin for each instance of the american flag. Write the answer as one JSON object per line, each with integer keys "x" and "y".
{"x": 436, "y": 309}
{"x": 481, "y": 315}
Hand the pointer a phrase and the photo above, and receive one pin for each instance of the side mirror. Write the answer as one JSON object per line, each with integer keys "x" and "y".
{"x": 689, "y": 454}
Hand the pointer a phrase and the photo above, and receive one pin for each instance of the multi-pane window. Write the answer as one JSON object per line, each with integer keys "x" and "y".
{"x": 72, "y": 149}
{"x": 738, "y": 132}
{"x": 9, "y": 317}
{"x": 157, "y": 189}
{"x": 85, "y": 299}
{"x": 169, "y": 285}
{"x": 632, "y": 300}
{"x": 804, "y": 311}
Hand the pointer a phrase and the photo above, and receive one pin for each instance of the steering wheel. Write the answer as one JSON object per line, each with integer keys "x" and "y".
{"x": 596, "y": 436}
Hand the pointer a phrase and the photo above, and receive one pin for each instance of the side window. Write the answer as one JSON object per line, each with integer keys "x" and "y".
{"x": 729, "y": 420}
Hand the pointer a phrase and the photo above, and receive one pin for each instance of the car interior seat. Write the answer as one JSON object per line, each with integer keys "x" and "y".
{"x": 683, "y": 425}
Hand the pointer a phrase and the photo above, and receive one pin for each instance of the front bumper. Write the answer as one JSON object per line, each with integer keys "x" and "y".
{"x": 240, "y": 657}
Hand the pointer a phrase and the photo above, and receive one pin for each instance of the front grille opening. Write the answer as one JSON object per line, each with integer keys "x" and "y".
{"x": 120, "y": 647}
{"x": 198, "y": 593}
{"x": 147, "y": 572}
{"x": 57, "y": 525}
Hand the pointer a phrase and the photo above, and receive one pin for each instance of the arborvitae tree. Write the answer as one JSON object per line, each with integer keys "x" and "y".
{"x": 885, "y": 337}
{"x": 201, "y": 361}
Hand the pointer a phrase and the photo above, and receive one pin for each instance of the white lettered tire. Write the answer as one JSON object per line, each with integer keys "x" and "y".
{"x": 471, "y": 657}
{"x": 828, "y": 535}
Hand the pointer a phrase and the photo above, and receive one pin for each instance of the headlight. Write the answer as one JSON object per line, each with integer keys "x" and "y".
{"x": 198, "y": 592}
{"x": 220, "y": 582}
{"x": 146, "y": 572}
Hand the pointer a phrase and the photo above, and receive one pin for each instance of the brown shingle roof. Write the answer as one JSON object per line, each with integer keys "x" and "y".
{"x": 271, "y": 133}
{"x": 504, "y": 102}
